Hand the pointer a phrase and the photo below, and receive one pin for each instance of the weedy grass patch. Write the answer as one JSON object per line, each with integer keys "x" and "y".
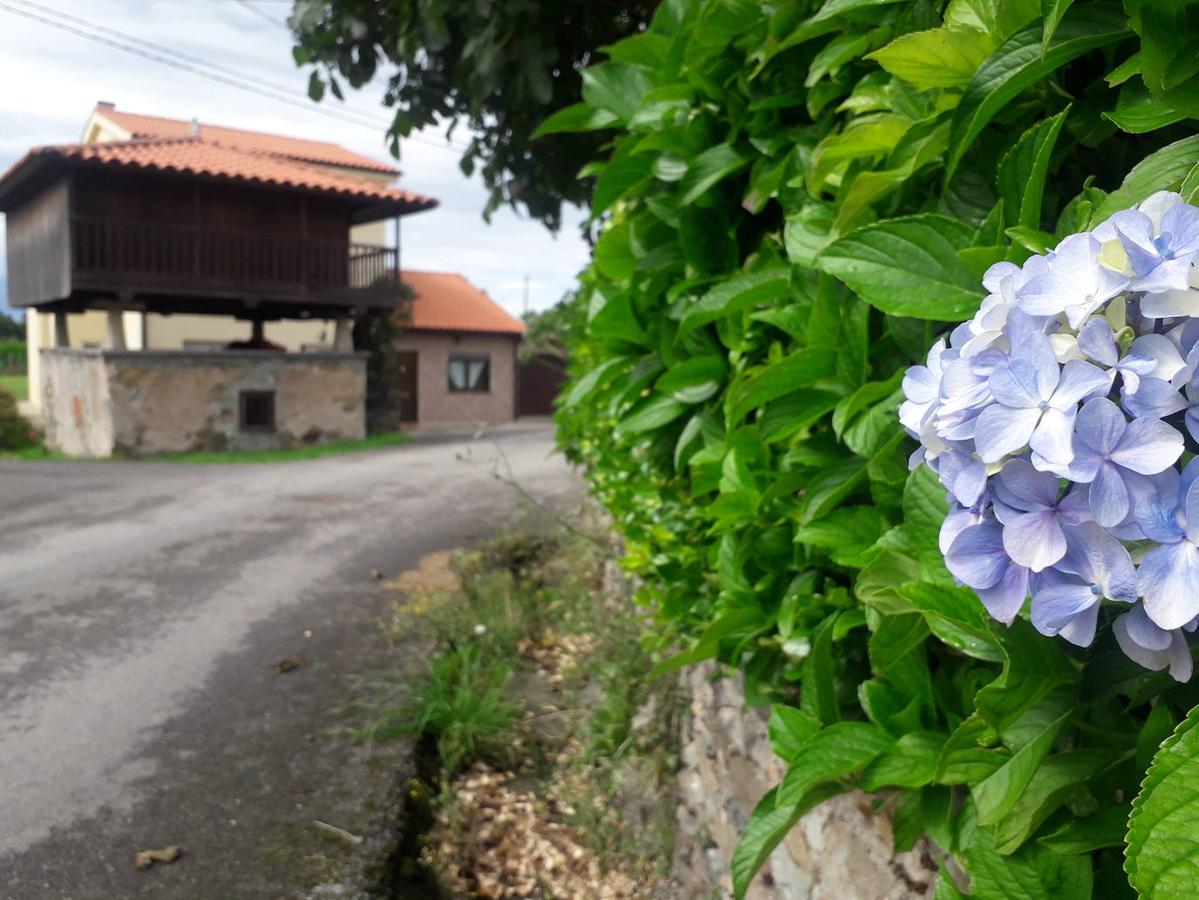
{"x": 556, "y": 751}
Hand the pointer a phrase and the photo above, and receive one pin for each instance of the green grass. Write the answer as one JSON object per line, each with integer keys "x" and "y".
{"x": 386, "y": 439}
{"x": 316, "y": 451}
{"x": 17, "y": 385}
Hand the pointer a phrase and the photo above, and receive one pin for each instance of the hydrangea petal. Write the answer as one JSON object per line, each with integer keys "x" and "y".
{"x": 1110, "y": 502}
{"x": 1056, "y": 606}
{"x": 1004, "y": 600}
{"x": 1168, "y": 579}
{"x": 1148, "y": 446}
{"x": 1053, "y": 437}
{"x": 1034, "y": 540}
{"x": 977, "y": 558}
{"x": 1002, "y": 430}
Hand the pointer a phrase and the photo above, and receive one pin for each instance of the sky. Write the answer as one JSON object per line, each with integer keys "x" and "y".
{"x": 52, "y": 80}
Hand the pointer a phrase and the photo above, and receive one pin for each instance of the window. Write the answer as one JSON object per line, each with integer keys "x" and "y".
{"x": 470, "y": 373}
{"x": 257, "y": 411}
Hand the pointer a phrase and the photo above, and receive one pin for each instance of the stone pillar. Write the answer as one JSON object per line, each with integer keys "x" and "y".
{"x": 343, "y": 336}
{"x": 62, "y": 333}
{"x": 116, "y": 330}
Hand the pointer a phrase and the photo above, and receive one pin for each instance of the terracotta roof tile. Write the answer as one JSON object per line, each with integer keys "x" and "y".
{"x": 205, "y": 156}
{"x": 448, "y": 302}
{"x": 326, "y": 152}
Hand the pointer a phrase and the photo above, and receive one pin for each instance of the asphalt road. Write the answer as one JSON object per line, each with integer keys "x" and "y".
{"x": 143, "y": 607}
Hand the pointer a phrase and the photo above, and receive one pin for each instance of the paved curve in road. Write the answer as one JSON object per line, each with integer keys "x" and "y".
{"x": 142, "y": 608}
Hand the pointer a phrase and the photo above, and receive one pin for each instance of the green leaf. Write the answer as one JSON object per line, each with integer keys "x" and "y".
{"x": 711, "y": 166}
{"x": 777, "y": 379}
{"x": 741, "y": 622}
{"x": 1161, "y": 859}
{"x": 619, "y": 176}
{"x": 790, "y": 730}
{"x": 911, "y": 762}
{"x": 847, "y": 532}
{"x": 1160, "y": 171}
{"x": 1023, "y": 170}
{"x": 1020, "y": 63}
{"x": 737, "y": 294}
{"x": 908, "y": 267}
{"x": 650, "y": 414}
{"x": 837, "y": 752}
{"x": 593, "y": 378}
{"x": 995, "y": 796}
{"x": 1052, "y": 11}
{"x": 957, "y": 617}
{"x": 615, "y": 87}
{"x": 767, "y": 827}
{"x": 940, "y": 58}
{"x": 694, "y": 380}
{"x": 614, "y": 253}
{"x": 1166, "y": 28}
{"x": 1106, "y": 828}
{"x": 818, "y": 697}
{"x": 1137, "y": 111}
{"x": 577, "y": 117}
{"x": 1032, "y": 873}
{"x": 1054, "y": 782}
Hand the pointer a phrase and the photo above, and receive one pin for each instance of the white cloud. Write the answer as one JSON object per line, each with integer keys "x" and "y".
{"x": 55, "y": 78}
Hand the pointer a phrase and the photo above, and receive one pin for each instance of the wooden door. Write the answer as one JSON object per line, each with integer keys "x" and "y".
{"x": 405, "y": 395}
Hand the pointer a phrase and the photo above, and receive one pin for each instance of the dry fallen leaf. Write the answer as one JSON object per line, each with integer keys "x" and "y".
{"x": 286, "y": 665}
{"x": 147, "y": 858}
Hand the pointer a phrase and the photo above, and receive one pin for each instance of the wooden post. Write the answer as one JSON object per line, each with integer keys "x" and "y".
{"x": 62, "y": 332}
{"x": 116, "y": 330}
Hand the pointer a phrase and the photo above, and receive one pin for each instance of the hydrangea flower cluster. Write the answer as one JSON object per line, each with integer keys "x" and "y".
{"x": 1063, "y": 421}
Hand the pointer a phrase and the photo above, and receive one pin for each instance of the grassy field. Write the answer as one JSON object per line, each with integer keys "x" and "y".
{"x": 17, "y": 385}
{"x": 386, "y": 439}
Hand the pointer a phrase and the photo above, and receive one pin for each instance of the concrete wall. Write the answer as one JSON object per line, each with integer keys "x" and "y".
{"x": 102, "y": 403}
{"x": 436, "y": 403}
{"x": 841, "y": 850}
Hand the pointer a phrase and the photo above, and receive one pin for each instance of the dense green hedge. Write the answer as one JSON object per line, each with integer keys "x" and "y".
{"x": 798, "y": 197}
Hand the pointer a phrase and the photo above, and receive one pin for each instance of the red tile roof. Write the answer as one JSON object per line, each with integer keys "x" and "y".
{"x": 205, "y": 156}
{"x": 448, "y": 302}
{"x": 324, "y": 152}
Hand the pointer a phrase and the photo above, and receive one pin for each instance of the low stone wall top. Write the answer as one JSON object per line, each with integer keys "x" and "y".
{"x": 139, "y": 402}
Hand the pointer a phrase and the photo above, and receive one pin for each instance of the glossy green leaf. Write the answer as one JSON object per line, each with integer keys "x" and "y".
{"x": 939, "y": 58}
{"x": 694, "y": 380}
{"x": 578, "y": 117}
{"x": 790, "y": 730}
{"x": 1161, "y": 859}
{"x": 1137, "y": 111}
{"x": 908, "y": 267}
{"x": 1021, "y": 62}
{"x": 736, "y": 294}
{"x": 1024, "y": 169}
{"x": 1162, "y": 170}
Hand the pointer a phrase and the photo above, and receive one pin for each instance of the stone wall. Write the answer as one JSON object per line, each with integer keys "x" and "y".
{"x": 135, "y": 403}
{"x": 436, "y": 403}
{"x": 841, "y": 850}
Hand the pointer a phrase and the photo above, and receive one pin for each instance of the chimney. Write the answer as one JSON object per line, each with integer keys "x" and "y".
{"x": 105, "y": 104}
{"x": 194, "y": 129}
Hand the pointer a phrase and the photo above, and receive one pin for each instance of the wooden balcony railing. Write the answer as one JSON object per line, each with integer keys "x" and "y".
{"x": 207, "y": 257}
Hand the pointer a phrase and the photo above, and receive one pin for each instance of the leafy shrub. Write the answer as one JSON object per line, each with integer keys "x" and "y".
{"x": 798, "y": 199}
{"x": 12, "y": 356}
{"x": 15, "y": 431}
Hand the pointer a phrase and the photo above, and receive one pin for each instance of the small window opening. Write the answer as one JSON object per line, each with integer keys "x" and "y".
{"x": 470, "y": 373}
{"x": 257, "y": 411}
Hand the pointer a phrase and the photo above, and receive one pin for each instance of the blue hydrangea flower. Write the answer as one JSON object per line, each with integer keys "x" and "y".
{"x": 1110, "y": 453}
{"x": 1152, "y": 647}
{"x": 1168, "y": 578}
{"x": 1160, "y": 256}
{"x": 1036, "y": 401}
{"x": 1076, "y": 284}
{"x": 1097, "y": 567}
{"x": 1056, "y": 419}
{"x": 1033, "y": 515}
{"x": 977, "y": 559}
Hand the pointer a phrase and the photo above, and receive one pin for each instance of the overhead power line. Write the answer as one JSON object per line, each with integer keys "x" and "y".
{"x": 195, "y": 65}
{"x": 266, "y": 17}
